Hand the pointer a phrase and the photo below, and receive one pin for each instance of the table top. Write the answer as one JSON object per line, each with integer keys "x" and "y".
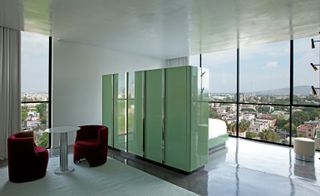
{"x": 63, "y": 129}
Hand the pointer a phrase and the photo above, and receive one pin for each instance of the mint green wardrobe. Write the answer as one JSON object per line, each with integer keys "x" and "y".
{"x": 186, "y": 119}
{"x": 154, "y": 114}
{"x": 159, "y": 114}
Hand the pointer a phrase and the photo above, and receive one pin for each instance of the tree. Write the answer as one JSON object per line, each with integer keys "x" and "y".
{"x": 213, "y": 113}
{"x": 251, "y": 134}
{"x": 299, "y": 117}
{"x": 312, "y": 112}
{"x": 244, "y": 125}
{"x": 43, "y": 140}
{"x": 263, "y": 109}
{"x": 269, "y": 135}
{"x": 232, "y": 127}
{"x": 24, "y": 112}
{"x": 42, "y": 110}
{"x": 281, "y": 123}
{"x": 24, "y": 99}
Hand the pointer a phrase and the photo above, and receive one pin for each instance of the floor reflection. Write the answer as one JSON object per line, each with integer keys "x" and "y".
{"x": 243, "y": 168}
{"x": 305, "y": 170}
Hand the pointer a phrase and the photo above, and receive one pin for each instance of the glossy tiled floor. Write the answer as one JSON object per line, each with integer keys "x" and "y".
{"x": 243, "y": 168}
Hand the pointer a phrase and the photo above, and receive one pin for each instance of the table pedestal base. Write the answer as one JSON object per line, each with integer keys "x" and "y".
{"x": 60, "y": 171}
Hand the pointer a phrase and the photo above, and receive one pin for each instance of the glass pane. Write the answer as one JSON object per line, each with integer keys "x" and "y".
{"x": 120, "y": 135}
{"x": 34, "y": 67}
{"x": 222, "y": 68}
{"x": 132, "y": 137}
{"x": 122, "y": 83}
{"x": 306, "y": 123}
{"x": 304, "y": 74}
{"x": 225, "y": 112}
{"x": 264, "y": 122}
{"x": 131, "y": 78}
{"x": 34, "y": 117}
{"x": 265, "y": 73}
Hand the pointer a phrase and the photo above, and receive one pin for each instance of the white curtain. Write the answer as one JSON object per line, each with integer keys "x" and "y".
{"x": 9, "y": 86}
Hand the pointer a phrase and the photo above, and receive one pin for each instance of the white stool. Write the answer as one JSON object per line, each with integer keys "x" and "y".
{"x": 304, "y": 148}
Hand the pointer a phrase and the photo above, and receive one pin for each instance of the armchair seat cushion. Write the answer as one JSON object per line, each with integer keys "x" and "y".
{"x": 87, "y": 143}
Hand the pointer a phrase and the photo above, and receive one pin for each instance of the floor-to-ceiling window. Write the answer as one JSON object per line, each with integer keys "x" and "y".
{"x": 35, "y": 85}
{"x": 222, "y": 68}
{"x": 305, "y": 110}
{"x": 265, "y": 94}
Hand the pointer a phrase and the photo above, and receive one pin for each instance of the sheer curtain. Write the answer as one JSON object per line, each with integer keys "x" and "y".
{"x": 9, "y": 86}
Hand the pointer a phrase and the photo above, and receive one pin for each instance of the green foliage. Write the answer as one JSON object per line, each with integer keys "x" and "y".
{"x": 269, "y": 135}
{"x": 24, "y": 99}
{"x": 281, "y": 122}
{"x": 299, "y": 117}
{"x": 247, "y": 110}
{"x": 251, "y": 134}
{"x": 263, "y": 109}
{"x": 312, "y": 112}
{"x": 213, "y": 113}
{"x": 42, "y": 110}
{"x": 244, "y": 125}
{"x": 24, "y": 112}
{"x": 232, "y": 127}
{"x": 43, "y": 140}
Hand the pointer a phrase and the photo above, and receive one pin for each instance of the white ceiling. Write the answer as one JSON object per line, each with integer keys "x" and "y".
{"x": 165, "y": 28}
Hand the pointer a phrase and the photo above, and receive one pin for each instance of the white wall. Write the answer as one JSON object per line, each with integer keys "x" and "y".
{"x": 77, "y": 81}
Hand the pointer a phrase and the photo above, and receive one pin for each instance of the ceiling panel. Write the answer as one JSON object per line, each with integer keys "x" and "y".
{"x": 165, "y": 28}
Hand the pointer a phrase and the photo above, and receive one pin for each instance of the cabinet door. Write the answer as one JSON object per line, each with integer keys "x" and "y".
{"x": 120, "y": 114}
{"x": 177, "y": 124}
{"x": 135, "y": 113}
{"x": 154, "y": 115}
{"x": 107, "y": 105}
{"x": 199, "y": 119}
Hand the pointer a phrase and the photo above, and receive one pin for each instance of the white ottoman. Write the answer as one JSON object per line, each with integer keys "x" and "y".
{"x": 304, "y": 148}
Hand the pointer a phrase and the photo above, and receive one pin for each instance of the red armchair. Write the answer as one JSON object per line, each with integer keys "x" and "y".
{"x": 92, "y": 144}
{"x": 26, "y": 161}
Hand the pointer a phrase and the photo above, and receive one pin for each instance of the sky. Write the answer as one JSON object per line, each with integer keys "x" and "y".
{"x": 34, "y": 62}
{"x": 262, "y": 67}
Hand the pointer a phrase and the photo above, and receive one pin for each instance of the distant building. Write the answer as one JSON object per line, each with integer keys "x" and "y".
{"x": 270, "y": 122}
{"x": 306, "y": 130}
{"x": 258, "y": 126}
{"x": 248, "y": 117}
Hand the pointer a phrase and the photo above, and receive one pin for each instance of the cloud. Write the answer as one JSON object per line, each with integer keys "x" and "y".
{"x": 271, "y": 65}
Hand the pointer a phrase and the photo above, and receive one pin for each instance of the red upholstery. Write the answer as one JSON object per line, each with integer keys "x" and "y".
{"x": 26, "y": 161}
{"x": 92, "y": 144}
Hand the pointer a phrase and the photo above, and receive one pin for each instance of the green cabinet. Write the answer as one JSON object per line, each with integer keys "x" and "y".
{"x": 176, "y": 118}
{"x": 161, "y": 115}
{"x": 153, "y": 133}
{"x": 186, "y": 120}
